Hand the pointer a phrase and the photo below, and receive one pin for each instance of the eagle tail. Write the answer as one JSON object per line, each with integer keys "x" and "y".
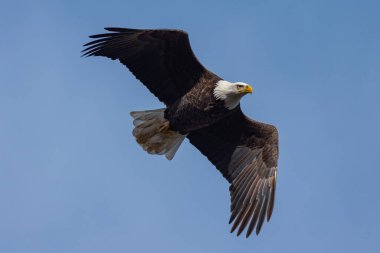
{"x": 153, "y": 134}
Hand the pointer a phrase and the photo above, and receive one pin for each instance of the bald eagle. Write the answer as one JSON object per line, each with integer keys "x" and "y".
{"x": 203, "y": 108}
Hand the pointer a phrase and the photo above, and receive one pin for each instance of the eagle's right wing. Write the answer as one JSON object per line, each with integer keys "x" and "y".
{"x": 161, "y": 59}
{"x": 246, "y": 153}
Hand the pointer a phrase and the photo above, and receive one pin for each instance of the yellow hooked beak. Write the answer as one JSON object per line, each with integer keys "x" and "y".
{"x": 248, "y": 89}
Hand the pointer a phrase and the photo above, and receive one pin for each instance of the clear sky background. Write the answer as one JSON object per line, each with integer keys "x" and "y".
{"x": 72, "y": 178}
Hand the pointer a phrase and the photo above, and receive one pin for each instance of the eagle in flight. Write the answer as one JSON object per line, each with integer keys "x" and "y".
{"x": 203, "y": 108}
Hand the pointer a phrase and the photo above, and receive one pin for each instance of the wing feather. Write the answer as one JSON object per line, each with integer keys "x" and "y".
{"x": 250, "y": 153}
{"x": 161, "y": 59}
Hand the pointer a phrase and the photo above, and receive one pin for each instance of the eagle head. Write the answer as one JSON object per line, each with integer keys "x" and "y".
{"x": 231, "y": 93}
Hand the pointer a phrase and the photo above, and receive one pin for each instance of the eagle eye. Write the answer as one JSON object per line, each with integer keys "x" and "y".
{"x": 239, "y": 86}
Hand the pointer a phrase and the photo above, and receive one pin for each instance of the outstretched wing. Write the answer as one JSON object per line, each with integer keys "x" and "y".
{"x": 246, "y": 153}
{"x": 160, "y": 59}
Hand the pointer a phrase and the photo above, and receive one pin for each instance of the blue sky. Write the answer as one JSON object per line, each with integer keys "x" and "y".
{"x": 72, "y": 178}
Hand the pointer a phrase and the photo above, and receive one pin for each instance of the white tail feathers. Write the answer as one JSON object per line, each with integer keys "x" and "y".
{"x": 153, "y": 134}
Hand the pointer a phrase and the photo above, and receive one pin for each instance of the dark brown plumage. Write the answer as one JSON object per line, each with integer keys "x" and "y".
{"x": 160, "y": 59}
{"x": 243, "y": 150}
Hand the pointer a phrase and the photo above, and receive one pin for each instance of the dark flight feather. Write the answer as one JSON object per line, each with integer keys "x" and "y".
{"x": 161, "y": 59}
{"x": 252, "y": 151}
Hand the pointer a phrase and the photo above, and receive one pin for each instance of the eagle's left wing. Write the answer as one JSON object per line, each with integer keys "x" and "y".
{"x": 246, "y": 153}
{"x": 161, "y": 59}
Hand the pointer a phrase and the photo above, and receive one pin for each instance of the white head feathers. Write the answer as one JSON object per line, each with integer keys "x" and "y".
{"x": 231, "y": 93}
